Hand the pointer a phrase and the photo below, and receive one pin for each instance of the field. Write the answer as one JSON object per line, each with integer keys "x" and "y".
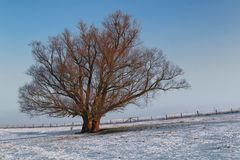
{"x": 213, "y": 137}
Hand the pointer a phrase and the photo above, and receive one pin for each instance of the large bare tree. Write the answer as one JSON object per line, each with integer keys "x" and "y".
{"x": 96, "y": 71}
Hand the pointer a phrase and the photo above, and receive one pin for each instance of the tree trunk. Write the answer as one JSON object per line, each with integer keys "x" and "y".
{"x": 87, "y": 124}
{"x": 95, "y": 124}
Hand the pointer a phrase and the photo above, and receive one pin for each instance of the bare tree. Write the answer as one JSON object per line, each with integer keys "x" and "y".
{"x": 95, "y": 72}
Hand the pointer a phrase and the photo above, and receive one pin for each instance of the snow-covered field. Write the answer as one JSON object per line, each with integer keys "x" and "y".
{"x": 214, "y": 138}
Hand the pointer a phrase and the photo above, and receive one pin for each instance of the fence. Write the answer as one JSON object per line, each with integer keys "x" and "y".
{"x": 173, "y": 116}
{"x": 136, "y": 119}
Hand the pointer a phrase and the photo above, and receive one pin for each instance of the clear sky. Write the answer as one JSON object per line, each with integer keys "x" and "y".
{"x": 203, "y": 37}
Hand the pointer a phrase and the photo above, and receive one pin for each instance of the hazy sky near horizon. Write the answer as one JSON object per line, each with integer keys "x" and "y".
{"x": 203, "y": 37}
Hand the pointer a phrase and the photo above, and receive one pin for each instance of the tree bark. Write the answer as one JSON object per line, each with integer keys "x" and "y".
{"x": 87, "y": 124}
{"x": 95, "y": 124}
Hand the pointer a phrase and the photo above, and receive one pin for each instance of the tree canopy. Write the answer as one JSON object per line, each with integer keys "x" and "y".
{"x": 96, "y": 71}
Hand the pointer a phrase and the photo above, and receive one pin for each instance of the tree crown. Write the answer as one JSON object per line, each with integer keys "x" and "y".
{"x": 96, "y": 71}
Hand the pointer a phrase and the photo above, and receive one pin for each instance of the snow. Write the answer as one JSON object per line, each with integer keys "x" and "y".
{"x": 214, "y": 137}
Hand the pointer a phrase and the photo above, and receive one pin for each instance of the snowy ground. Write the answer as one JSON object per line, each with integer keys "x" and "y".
{"x": 213, "y": 138}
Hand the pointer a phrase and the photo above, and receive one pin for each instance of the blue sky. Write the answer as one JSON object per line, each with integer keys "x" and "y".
{"x": 203, "y": 37}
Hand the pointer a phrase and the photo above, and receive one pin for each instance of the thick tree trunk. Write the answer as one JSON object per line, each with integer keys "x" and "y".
{"x": 87, "y": 124}
{"x": 90, "y": 124}
{"x": 95, "y": 124}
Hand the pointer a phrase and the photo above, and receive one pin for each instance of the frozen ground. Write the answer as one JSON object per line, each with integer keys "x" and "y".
{"x": 213, "y": 138}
